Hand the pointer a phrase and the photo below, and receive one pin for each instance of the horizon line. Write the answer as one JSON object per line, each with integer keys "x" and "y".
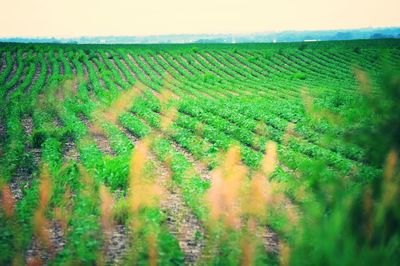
{"x": 199, "y": 34}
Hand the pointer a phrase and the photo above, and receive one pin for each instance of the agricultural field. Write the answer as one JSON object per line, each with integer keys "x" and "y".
{"x": 200, "y": 154}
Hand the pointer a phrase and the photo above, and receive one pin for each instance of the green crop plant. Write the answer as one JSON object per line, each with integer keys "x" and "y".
{"x": 78, "y": 114}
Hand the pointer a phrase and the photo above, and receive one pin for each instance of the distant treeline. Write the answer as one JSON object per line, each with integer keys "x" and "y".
{"x": 286, "y": 36}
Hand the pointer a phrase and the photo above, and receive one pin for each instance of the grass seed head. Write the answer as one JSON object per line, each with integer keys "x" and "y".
{"x": 270, "y": 159}
{"x": 144, "y": 192}
{"x": 41, "y": 224}
{"x": 44, "y": 187}
{"x": 391, "y": 179}
{"x": 152, "y": 244}
{"x": 284, "y": 254}
{"x": 390, "y": 166}
{"x": 106, "y": 207}
{"x": 363, "y": 80}
{"x": 223, "y": 197}
{"x": 7, "y": 201}
{"x": 289, "y": 133}
{"x": 168, "y": 118}
{"x": 308, "y": 101}
{"x": 120, "y": 105}
{"x": 35, "y": 261}
{"x": 248, "y": 250}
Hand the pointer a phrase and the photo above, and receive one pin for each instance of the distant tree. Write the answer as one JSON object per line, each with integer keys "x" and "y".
{"x": 343, "y": 36}
{"x": 377, "y": 36}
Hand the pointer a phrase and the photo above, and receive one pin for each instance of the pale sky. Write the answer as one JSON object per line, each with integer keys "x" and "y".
{"x": 72, "y": 18}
